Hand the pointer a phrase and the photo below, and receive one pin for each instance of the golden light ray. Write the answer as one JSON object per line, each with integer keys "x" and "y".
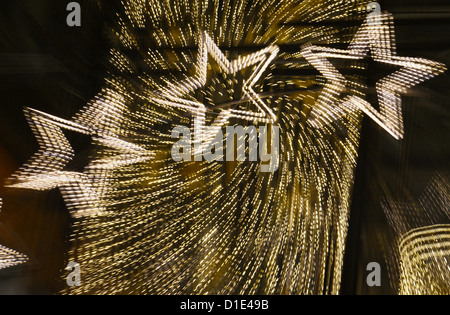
{"x": 219, "y": 228}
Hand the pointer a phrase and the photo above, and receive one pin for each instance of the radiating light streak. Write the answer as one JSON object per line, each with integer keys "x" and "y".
{"x": 218, "y": 228}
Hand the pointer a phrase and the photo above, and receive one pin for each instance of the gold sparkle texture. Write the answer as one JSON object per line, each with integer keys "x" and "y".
{"x": 146, "y": 224}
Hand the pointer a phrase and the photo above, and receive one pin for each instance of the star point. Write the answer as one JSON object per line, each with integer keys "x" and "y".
{"x": 9, "y": 257}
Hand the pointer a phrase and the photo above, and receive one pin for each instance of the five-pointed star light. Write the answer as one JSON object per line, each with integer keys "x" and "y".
{"x": 172, "y": 95}
{"x": 46, "y": 168}
{"x": 377, "y": 36}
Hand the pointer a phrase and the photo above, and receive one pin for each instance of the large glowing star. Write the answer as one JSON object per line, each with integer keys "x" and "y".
{"x": 174, "y": 94}
{"x": 377, "y": 36}
{"x": 46, "y": 169}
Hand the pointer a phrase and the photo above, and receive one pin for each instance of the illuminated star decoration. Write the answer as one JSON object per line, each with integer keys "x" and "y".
{"x": 45, "y": 170}
{"x": 173, "y": 94}
{"x": 377, "y": 36}
{"x": 9, "y": 257}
